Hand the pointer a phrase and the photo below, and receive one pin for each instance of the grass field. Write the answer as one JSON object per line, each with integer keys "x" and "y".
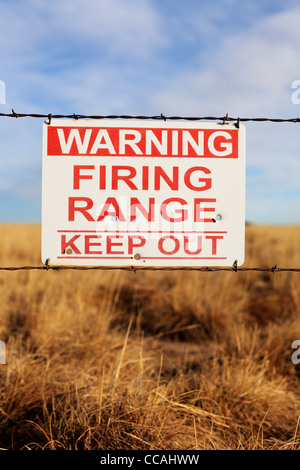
{"x": 150, "y": 360}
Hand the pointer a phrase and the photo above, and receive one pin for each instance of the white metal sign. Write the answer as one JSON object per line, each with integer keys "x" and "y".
{"x": 143, "y": 193}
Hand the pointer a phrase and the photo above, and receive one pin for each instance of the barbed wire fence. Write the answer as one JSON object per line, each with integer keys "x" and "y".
{"x": 272, "y": 269}
{"x": 223, "y": 120}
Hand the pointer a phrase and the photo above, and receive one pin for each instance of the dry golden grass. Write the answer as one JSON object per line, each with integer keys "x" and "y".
{"x": 152, "y": 360}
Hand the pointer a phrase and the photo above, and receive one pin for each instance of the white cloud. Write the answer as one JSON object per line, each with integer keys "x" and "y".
{"x": 131, "y": 28}
{"x": 147, "y": 57}
{"x": 249, "y": 75}
{"x": 248, "y": 72}
{"x": 80, "y": 27}
{"x": 77, "y": 52}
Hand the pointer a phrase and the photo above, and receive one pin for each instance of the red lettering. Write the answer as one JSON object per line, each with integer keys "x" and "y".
{"x": 88, "y": 244}
{"x": 198, "y": 209}
{"x": 214, "y": 239}
{"x": 83, "y": 210}
{"x": 186, "y": 242}
{"x": 168, "y": 237}
{"x": 102, "y": 177}
{"x": 111, "y": 201}
{"x": 206, "y": 181}
{"x": 110, "y": 244}
{"x": 132, "y": 244}
{"x": 77, "y": 176}
{"x": 183, "y": 213}
{"x": 145, "y": 183}
{"x": 69, "y": 244}
{"x": 160, "y": 173}
{"x": 145, "y": 142}
{"x": 135, "y": 204}
{"x": 126, "y": 178}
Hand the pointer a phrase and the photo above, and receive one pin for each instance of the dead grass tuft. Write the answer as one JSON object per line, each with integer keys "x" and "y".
{"x": 152, "y": 360}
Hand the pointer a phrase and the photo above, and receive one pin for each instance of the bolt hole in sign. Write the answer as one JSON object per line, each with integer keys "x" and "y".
{"x": 143, "y": 193}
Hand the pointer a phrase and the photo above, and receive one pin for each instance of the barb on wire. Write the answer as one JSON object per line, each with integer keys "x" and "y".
{"x": 48, "y": 267}
{"x": 161, "y": 116}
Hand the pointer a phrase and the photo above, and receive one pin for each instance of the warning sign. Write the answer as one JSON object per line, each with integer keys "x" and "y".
{"x": 143, "y": 193}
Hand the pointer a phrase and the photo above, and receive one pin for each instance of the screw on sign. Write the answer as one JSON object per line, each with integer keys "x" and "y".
{"x": 143, "y": 193}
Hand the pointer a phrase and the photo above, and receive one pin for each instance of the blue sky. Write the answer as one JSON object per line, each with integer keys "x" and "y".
{"x": 192, "y": 57}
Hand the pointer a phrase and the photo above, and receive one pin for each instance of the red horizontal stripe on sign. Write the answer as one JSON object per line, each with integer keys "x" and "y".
{"x": 138, "y": 231}
{"x": 142, "y": 257}
{"x": 142, "y": 142}
{"x": 182, "y": 257}
{"x": 94, "y": 257}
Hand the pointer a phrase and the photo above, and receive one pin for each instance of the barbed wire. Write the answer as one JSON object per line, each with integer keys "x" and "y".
{"x": 47, "y": 267}
{"x": 161, "y": 116}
